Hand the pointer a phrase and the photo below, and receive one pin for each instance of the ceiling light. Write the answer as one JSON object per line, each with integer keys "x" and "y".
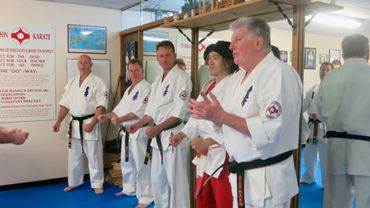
{"x": 336, "y": 21}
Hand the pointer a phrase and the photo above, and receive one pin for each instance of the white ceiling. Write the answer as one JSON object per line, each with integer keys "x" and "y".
{"x": 355, "y": 8}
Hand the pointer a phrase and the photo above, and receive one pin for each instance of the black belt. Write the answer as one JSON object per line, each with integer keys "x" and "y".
{"x": 80, "y": 128}
{"x": 346, "y": 136}
{"x": 315, "y": 128}
{"x": 239, "y": 169}
{"x": 148, "y": 154}
{"x": 127, "y": 136}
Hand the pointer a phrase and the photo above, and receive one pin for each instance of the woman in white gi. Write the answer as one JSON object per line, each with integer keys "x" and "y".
{"x": 210, "y": 155}
{"x": 167, "y": 109}
{"x": 85, "y": 97}
{"x": 260, "y": 119}
{"x": 135, "y": 175}
{"x": 315, "y": 144}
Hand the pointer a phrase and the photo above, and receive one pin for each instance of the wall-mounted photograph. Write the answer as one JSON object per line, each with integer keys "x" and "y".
{"x": 130, "y": 51}
{"x": 87, "y": 39}
{"x": 284, "y": 56}
{"x": 310, "y": 58}
{"x": 334, "y": 55}
{"x": 323, "y": 58}
{"x": 151, "y": 39}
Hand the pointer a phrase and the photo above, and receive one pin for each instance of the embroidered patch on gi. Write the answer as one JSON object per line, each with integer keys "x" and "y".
{"x": 106, "y": 94}
{"x": 145, "y": 101}
{"x": 245, "y": 98}
{"x": 273, "y": 110}
{"x": 86, "y": 91}
{"x": 183, "y": 95}
{"x": 135, "y": 95}
{"x": 166, "y": 90}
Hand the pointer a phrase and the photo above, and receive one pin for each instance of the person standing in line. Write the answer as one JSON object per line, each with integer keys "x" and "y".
{"x": 12, "y": 135}
{"x": 135, "y": 175}
{"x": 85, "y": 98}
{"x": 343, "y": 104}
{"x": 180, "y": 63}
{"x": 336, "y": 64}
{"x": 210, "y": 153}
{"x": 167, "y": 109}
{"x": 259, "y": 119}
{"x": 315, "y": 144}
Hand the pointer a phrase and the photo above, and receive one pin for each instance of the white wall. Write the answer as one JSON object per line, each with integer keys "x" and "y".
{"x": 283, "y": 40}
{"x": 44, "y": 155}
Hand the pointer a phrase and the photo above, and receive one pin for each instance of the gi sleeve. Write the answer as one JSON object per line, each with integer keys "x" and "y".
{"x": 265, "y": 126}
{"x": 182, "y": 92}
{"x": 101, "y": 94}
{"x": 65, "y": 101}
{"x": 150, "y": 105}
{"x": 307, "y": 100}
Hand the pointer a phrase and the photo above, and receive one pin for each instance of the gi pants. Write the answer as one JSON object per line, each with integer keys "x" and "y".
{"x": 135, "y": 174}
{"x": 348, "y": 174}
{"x": 170, "y": 180}
{"x": 93, "y": 150}
{"x": 313, "y": 153}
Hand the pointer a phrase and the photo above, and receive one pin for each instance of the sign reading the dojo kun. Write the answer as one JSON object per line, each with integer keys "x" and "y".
{"x": 27, "y": 73}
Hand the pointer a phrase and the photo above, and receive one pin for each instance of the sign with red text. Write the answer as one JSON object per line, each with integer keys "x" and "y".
{"x": 27, "y": 73}
{"x": 183, "y": 50}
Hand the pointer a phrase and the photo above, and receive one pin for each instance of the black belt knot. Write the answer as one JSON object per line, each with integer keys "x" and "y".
{"x": 80, "y": 128}
{"x": 148, "y": 154}
{"x": 127, "y": 136}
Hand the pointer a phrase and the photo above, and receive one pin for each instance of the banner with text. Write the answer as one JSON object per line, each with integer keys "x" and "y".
{"x": 27, "y": 73}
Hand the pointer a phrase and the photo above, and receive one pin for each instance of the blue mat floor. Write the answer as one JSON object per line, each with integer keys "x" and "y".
{"x": 47, "y": 196}
{"x": 52, "y": 196}
{"x": 311, "y": 195}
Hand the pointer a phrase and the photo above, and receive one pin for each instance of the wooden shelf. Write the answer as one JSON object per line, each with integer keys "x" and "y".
{"x": 220, "y": 19}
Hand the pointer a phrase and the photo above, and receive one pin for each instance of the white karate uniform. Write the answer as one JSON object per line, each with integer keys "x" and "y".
{"x": 135, "y": 175}
{"x": 204, "y": 128}
{"x": 270, "y": 101}
{"x": 313, "y": 151}
{"x": 171, "y": 179}
{"x": 343, "y": 104}
{"x": 81, "y": 101}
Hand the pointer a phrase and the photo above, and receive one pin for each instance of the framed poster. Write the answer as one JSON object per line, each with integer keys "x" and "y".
{"x": 284, "y": 56}
{"x": 130, "y": 52}
{"x": 151, "y": 39}
{"x": 310, "y": 58}
{"x": 87, "y": 39}
{"x": 323, "y": 58}
{"x": 334, "y": 55}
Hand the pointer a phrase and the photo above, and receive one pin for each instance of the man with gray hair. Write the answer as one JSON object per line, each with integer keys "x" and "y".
{"x": 259, "y": 121}
{"x": 343, "y": 104}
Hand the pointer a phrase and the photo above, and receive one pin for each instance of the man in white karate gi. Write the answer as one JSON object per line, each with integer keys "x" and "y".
{"x": 167, "y": 109}
{"x": 260, "y": 119}
{"x": 343, "y": 104}
{"x": 135, "y": 175}
{"x": 85, "y": 98}
{"x": 315, "y": 144}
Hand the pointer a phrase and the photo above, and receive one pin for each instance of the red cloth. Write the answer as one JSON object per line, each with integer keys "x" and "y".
{"x": 217, "y": 192}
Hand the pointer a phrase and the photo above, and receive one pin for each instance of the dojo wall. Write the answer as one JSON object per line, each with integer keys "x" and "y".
{"x": 44, "y": 155}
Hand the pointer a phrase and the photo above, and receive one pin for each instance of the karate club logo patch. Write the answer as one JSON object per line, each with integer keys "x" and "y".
{"x": 273, "y": 110}
{"x": 145, "y": 101}
{"x": 183, "y": 95}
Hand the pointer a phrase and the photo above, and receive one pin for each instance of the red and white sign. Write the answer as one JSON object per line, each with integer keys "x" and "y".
{"x": 27, "y": 73}
{"x": 183, "y": 50}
